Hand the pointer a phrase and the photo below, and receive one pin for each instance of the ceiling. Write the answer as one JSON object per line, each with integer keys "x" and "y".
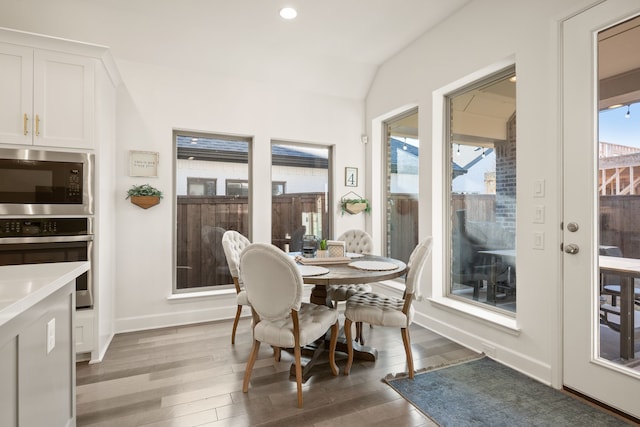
{"x": 333, "y": 47}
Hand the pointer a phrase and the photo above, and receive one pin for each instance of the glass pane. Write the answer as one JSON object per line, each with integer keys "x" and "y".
{"x": 205, "y": 167}
{"x": 303, "y": 210}
{"x": 482, "y": 147}
{"x": 619, "y": 193}
{"x": 403, "y": 149}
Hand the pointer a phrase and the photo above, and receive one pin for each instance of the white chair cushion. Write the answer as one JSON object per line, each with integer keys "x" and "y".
{"x": 377, "y": 309}
{"x": 314, "y": 321}
{"x": 242, "y": 299}
{"x": 344, "y": 292}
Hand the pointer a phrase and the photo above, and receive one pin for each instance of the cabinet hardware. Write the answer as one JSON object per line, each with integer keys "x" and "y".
{"x": 24, "y": 124}
{"x": 37, "y": 125}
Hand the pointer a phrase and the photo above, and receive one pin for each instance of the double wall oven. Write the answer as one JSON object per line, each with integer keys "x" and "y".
{"x": 46, "y": 211}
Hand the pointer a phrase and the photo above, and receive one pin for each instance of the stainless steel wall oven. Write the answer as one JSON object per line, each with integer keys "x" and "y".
{"x": 45, "y": 240}
{"x": 36, "y": 182}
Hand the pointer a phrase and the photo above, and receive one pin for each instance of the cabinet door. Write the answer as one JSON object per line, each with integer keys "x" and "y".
{"x": 63, "y": 102}
{"x": 16, "y": 94}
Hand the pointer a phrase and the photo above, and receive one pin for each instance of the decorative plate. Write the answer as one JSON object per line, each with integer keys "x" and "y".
{"x": 312, "y": 270}
{"x": 373, "y": 265}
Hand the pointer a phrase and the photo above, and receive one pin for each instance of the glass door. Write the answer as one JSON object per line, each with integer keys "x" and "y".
{"x": 601, "y": 231}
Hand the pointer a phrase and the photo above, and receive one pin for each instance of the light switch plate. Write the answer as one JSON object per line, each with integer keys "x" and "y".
{"x": 538, "y": 188}
{"x": 538, "y": 215}
{"x": 538, "y": 240}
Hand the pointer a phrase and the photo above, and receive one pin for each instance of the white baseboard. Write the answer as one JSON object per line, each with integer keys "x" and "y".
{"x": 165, "y": 320}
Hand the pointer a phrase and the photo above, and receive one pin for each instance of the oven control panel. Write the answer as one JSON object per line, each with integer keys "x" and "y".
{"x": 36, "y": 227}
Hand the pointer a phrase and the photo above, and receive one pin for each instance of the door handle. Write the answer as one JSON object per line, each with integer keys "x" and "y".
{"x": 572, "y": 249}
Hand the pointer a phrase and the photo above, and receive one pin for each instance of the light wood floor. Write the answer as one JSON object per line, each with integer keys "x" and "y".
{"x": 192, "y": 376}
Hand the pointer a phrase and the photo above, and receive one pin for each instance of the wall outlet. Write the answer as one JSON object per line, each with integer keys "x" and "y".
{"x": 51, "y": 335}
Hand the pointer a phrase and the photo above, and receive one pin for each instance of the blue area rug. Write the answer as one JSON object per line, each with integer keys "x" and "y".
{"x": 483, "y": 392}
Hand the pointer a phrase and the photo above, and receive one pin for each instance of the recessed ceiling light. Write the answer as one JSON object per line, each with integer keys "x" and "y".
{"x": 288, "y": 13}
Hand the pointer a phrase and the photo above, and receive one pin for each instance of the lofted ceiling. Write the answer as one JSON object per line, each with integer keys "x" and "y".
{"x": 332, "y": 47}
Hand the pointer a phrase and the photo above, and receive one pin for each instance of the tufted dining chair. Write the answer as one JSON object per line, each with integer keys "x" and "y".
{"x": 233, "y": 244}
{"x": 359, "y": 242}
{"x": 382, "y": 310}
{"x": 274, "y": 287}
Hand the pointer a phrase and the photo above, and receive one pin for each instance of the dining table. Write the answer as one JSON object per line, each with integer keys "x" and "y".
{"x": 352, "y": 269}
{"x": 628, "y": 269}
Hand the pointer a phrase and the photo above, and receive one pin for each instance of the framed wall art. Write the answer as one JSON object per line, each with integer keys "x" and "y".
{"x": 143, "y": 163}
{"x": 351, "y": 177}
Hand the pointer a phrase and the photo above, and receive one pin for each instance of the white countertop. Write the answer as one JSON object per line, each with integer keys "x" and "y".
{"x": 23, "y": 286}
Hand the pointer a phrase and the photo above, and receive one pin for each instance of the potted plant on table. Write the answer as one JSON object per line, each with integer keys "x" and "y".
{"x": 144, "y": 195}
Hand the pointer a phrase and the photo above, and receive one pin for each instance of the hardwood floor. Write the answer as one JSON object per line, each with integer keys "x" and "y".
{"x": 192, "y": 376}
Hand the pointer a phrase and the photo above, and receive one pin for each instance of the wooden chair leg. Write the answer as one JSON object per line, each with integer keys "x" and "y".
{"x": 349, "y": 338}
{"x": 235, "y": 325}
{"x": 252, "y": 360}
{"x": 407, "y": 348}
{"x": 297, "y": 352}
{"x": 332, "y": 348}
{"x": 277, "y": 353}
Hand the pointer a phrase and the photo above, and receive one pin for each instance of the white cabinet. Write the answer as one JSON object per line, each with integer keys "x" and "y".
{"x": 46, "y": 97}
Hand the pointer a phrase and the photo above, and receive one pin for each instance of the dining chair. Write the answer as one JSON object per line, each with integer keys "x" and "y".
{"x": 382, "y": 310}
{"x": 274, "y": 287}
{"x": 233, "y": 243}
{"x": 359, "y": 242}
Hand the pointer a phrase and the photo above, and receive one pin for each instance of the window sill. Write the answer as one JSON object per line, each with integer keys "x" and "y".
{"x": 200, "y": 294}
{"x": 493, "y": 319}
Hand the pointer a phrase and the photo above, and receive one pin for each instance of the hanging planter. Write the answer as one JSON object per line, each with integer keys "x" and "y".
{"x": 144, "y": 196}
{"x": 354, "y": 205}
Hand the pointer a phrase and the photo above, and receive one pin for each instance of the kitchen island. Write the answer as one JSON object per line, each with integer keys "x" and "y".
{"x": 37, "y": 346}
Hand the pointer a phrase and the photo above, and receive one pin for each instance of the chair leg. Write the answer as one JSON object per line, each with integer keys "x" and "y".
{"x": 252, "y": 360}
{"x": 235, "y": 325}
{"x": 332, "y": 348}
{"x": 359, "y": 333}
{"x": 277, "y": 353}
{"x": 349, "y": 338}
{"x": 407, "y": 348}
{"x": 297, "y": 352}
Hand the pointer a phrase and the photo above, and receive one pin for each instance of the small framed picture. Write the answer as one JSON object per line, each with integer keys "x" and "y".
{"x": 143, "y": 163}
{"x": 351, "y": 177}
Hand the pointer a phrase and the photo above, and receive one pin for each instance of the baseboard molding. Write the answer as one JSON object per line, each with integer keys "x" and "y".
{"x": 535, "y": 369}
{"x": 166, "y": 320}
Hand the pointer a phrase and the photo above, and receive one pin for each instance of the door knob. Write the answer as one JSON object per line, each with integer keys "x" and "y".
{"x": 573, "y": 227}
{"x": 571, "y": 249}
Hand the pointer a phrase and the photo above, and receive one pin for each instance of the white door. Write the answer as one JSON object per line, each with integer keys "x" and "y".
{"x": 612, "y": 381}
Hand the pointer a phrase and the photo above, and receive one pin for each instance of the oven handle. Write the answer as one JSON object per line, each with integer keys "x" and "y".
{"x": 46, "y": 239}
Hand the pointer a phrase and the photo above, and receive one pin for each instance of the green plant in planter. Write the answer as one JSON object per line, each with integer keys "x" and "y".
{"x": 143, "y": 190}
{"x": 354, "y": 206}
{"x": 323, "y": 245}
{"x": 144, "y": 196}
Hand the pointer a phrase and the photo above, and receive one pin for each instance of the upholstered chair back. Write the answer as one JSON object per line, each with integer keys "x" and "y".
{"x": 415, "y": 266}
{"x": 233, "y": 244}
{"x": 357, "y": 241}
{"x": 272, "y": 281}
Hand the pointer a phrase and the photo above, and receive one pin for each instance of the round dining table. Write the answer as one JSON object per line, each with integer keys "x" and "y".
{"x": 354, "y": 269}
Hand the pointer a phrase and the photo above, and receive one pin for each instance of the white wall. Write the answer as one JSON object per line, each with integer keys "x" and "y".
{"x": 154, "y": 100}
{"x": 483, "y": 34}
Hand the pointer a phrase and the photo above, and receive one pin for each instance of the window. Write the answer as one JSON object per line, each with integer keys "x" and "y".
{"x": 278, "y": 188}
{"x": 201, "y": 186}
{"x": 482, "y": 191}
{"x": 402, "y": 180}
{"x": 203, "y": 161}
{"x": 304, "y": 209}
{"x": 237, "y": 187}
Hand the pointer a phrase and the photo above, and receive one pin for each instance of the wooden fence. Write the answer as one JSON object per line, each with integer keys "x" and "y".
{"x": 203, "y": 220}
